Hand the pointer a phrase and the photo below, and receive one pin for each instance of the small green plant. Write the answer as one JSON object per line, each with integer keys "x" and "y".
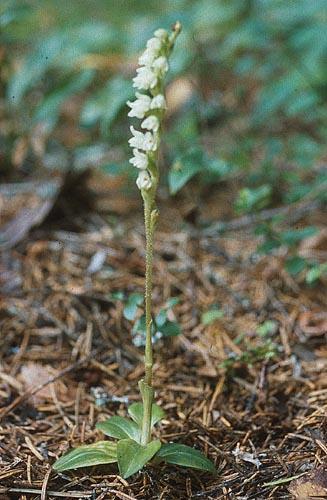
{"x": 135, "y": 446}
{"x": 210, "y": 316}
{"x": 291, "y": 238}
{"x": 264, "y": 349}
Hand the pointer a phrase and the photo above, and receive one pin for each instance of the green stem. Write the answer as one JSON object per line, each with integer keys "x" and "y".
{"x": 148, "y": 291}
{"x": 150, "y": 216}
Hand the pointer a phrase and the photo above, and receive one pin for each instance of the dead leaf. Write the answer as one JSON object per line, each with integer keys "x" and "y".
{"x": 32, "y": 375}
{"x": 313, "y": 323}
{"x": 20, "y": 151}
{"x": 20, "y": 224}
{"x": 313, "y": 485}
{"x": 316, "y": 242}
{"x": 239, "y": 454}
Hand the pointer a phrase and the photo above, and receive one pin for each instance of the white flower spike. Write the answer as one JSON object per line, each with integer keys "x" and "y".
{"x": 149, "y": 106}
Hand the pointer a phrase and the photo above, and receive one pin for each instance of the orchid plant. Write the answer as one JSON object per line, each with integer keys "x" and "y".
{"x": 135, "y": 447}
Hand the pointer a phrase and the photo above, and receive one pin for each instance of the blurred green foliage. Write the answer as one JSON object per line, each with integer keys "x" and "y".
{"x": 261, "y": 347}
{"x": 257, "y": 69}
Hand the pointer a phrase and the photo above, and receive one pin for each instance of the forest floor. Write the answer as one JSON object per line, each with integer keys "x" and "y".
{"x": 253, "y": 400}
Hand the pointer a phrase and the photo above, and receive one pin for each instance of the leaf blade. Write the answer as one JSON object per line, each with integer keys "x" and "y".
{"x": 102, "y": 452}
{"x": 180, "y": 454}
{"x": 119, "y": 428}
{"x": 132, "y": 456}
{"x": 135, "y": 411}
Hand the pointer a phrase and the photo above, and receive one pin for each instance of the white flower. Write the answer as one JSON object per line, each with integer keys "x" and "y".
{"x": 154, "y": 44}
{"x": 158, "y": 102}
{"x": 140, "y": 106}
{"x": 151, "y": 123}
{"x": 153, "y": 47}
{"x": 144, "y": 180}
{"x": 160, "y": 65}
{"x": 146, "y": 142}
{"x": 145, "y": 78}
{"x": 139, "y": 160}
{"x": 161, "y": 34}
{"x": 148, "y": 57}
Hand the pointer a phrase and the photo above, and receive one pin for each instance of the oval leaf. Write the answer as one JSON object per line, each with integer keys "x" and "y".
{"x": 130, "y": 310}
{"x": 132, "y": 456}
{"x": 184, "y": 169}
{"x": 102, "y": 452}
{"x": 119, "y": 428}
{"x": 136, "y": 412}
{"x": 180, "y": 454}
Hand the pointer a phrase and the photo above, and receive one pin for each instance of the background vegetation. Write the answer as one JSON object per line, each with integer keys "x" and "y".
{"x": 246, "y": 102}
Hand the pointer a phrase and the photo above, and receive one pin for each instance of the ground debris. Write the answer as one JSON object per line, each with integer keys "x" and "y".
{"x": 312, "y": 485}
{"x": 255, "y": 403}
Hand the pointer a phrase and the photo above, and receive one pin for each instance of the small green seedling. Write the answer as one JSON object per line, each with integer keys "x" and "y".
{"x": 135, "y": 447}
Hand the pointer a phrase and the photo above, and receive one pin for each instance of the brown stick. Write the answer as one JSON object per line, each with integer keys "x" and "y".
{"x": 65, "y": 494}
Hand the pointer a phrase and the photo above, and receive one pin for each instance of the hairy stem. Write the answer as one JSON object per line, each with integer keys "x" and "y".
{"x": 148, "y": 292}
{"x": 150, "y": 216}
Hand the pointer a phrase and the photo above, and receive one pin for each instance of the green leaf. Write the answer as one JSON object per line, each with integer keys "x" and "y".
{"x": 102, "y": 452}
{"x": 170, "y": 329}
{"x": 253, "y": 199}
{"x": 119, "y": 428}
{"x": 172, "y": 302}
{"x": 13, "y": 12}
{"x": 315, "y": 273}
{"x": 133, "y": 301}
{"x": 294, "y": 236}
{"x": 268, "y": 327}
{"x": 294, "y": 265}
{"x": 183, "y": 170}
{"x": 104, "y": 106}
{"x": 269, "y": 245}
{"x": 136, "y": 412}
{"x": 218, "y": 167}
{"x": 180, "y": 454}
{"x": 210, "y": 316}
{"x": 161, "y": 318}
{"x": 133, "y": 456}
{"x": 62, "y": 50}
{"x": 139, "y": 331}
{"x": 117, "y": 295}
{"x": 49, "y": 109}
